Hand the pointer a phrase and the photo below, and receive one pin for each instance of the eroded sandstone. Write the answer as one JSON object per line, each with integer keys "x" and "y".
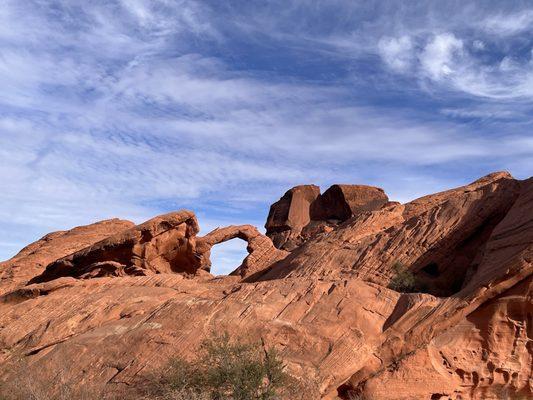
{"x": 33, "y": 259}
{"x": 123, "y": 306}
{"x": 289, "y": 215}
{"x": 439, "y": 237}
{"x": 262, "y": 253}
{"x": 303, "y": 213}
{"x": 161, "y": 245}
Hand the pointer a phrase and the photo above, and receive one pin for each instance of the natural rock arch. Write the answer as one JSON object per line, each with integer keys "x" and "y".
{"x": 261, "y": 250}
{"x": 165, "y": 244}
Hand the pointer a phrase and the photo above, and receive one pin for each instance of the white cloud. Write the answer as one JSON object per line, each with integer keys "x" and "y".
{"x": 495, "y": 112}
{"x": 444, "y": 62}
{"x": 478, "y": 45}
{"x": 438, "y": 57}
{"x": 508, "y": 80}
{"x": 397, "y": 52}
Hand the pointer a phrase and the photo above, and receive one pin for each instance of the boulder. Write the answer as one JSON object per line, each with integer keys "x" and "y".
{"x": 303, "y": 213}
{"x": 289, "y": 215}
{"x": 342, "y": 202}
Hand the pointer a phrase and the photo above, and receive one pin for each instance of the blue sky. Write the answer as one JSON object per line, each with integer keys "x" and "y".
{"x": 133, "y": 108}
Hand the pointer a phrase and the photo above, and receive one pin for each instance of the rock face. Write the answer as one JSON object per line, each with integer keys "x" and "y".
{"x": 123, "y": 306}
{"x": 478, "y": 342}
{"x": 289, "y": 215}
{"x": 440, "y": 238}
{"x": 163, "y": 244}
{"x": 341, "y": 202}
{"x": 303, "y": 213}
{"x": 32, "y": 260}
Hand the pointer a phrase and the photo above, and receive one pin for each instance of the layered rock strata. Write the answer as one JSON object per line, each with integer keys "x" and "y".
{"x": 118, "y": 309}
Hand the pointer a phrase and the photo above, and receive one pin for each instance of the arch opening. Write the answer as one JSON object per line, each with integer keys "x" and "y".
{"x": 227, "y": 256}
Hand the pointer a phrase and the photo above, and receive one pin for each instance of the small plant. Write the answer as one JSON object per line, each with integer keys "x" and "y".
{"x": 225, "y": 370}
{"x": 404, "y": 280}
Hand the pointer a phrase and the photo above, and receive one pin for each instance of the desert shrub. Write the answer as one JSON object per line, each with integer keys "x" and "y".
{"x": 403, "y": 280}
{"x": 225, "y": 370}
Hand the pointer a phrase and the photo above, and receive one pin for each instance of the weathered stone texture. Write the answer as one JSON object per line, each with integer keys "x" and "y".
{"x": 120, "y": 306}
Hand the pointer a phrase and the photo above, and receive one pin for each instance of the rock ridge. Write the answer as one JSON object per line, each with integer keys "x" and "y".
{"x": 118, "y": 300}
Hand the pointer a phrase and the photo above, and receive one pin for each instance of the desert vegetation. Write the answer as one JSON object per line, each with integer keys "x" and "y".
{"x": 403, "y": 281}
{"x": 25, "y": 387}
{"x": 225, "y": 369}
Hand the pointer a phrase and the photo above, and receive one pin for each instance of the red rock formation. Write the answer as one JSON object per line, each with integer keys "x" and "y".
{"x": 262, "y": 253}
{"x": 32, "y": 260}
{"x": 341, "y": 202}
{"x": 438, "y": 237}
{"x": 161, "y": 245}
{"x": 325, "y": 307}
{"x": 289, "y": 215}
{"x": 303, "y": 213}
{"x": 476, "y": 344}
{"x": 485, "y": 355}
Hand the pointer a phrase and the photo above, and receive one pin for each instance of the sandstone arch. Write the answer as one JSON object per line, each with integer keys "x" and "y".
{"x": 261, "y": 250}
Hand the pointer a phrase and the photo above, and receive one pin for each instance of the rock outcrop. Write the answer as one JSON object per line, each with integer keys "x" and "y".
{"x": 289, "y": 215}
{"x": 440, "y": 238}
{"x": 163, "y": 244}
{"x": 33, "y": 259}
{"x": 465, "y": 333}
{"x": 478, "y": 342}
{"x": 303, "y": 213}
{"x": 341, "y": 202}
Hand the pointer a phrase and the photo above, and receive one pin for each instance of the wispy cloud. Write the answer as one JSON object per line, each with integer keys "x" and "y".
{"x": 508, "y": 24}
{"x": 481, "y": 52}
{"x": 132, "y": 108}
{"x": 438, "y": 57}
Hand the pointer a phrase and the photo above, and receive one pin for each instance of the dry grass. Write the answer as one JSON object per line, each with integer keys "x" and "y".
{"x": 22, "y": 384}
{"x": 182, "y": 394}
{"x": 26, "y": 388}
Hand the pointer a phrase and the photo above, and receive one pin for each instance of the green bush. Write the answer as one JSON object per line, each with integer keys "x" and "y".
{"x": 403, "y": 280}
{"x": 226, "y": 370}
